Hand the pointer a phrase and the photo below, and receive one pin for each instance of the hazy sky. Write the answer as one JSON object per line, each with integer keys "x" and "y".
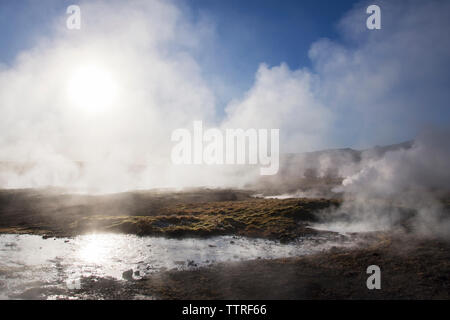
{"x": 246, "y": 32}
{"x": 311, "y": 67}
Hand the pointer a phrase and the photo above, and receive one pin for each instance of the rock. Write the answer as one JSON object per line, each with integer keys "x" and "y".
{"x": 191, "y": 263}
{"x": 128, "y": 275}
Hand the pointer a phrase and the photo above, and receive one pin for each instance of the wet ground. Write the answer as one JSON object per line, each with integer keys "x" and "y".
{"x": 32, "y": 262}
{"x": 203, "y": 244}
{"x": 411, "y": 268}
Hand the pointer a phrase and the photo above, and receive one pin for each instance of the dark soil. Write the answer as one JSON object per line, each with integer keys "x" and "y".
{"x": 410, "y": 269}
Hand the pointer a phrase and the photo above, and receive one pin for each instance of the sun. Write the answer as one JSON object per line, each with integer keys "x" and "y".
{"x": 92, "y": 88}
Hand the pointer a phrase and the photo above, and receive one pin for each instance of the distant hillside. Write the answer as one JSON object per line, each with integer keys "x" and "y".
{"x": 319, "y": 170}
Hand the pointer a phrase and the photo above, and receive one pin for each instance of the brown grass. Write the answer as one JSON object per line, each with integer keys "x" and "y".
{"x": 192, "y": 213}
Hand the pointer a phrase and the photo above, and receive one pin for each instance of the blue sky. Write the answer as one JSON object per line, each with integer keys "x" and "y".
{"x": 22, "y": 22}
{"x": 251, "y": 32}
{"x": 370, "y": 87}
{"x": 248, "y": 32}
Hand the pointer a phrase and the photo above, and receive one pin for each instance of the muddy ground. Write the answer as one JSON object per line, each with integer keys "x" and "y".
{"x": 418, "y": 269}
{"x": 412, "y": 267}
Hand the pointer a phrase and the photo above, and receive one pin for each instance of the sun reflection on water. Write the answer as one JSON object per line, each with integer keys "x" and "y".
{"x": 97, "y": 248}
{"x": 28, "y": 258}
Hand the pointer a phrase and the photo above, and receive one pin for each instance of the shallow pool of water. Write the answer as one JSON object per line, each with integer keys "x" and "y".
{"x": 29, "y": 261}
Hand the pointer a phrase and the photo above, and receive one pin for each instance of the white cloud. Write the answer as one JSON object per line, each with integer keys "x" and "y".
{"x": 143, "y": 46}
{"x": 285, "y": 99}
{"x": 387, "y": 83}
{"x": 373, "y": 87}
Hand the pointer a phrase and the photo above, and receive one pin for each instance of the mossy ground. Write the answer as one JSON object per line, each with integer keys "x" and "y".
{"x": 181, "y": 214}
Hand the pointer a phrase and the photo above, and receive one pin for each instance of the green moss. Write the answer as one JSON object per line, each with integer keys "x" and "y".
{"x": 256, "y": 218}
{"x": 174, "y": 215}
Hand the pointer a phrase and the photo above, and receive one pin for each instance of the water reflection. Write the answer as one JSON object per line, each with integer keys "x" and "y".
{"x": 96, "y": 248}
{"x": 29, "y": 260}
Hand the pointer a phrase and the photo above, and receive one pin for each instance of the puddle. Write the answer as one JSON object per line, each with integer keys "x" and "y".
{"x": 29, "y": 261}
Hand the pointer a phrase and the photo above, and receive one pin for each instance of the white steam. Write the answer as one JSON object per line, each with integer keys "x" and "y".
{"x": 409, "y": 184}
{"x": 372, "y": 88}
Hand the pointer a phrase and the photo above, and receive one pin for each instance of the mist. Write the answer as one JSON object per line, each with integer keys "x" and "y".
{"x": 361, "y": 90}
{"x": 404, "y": 188}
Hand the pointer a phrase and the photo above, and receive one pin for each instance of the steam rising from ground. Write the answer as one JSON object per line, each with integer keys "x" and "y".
{"x": 371, "y": 88}
{"x": 406, "y": 187}
{"x": 144, "y": 48}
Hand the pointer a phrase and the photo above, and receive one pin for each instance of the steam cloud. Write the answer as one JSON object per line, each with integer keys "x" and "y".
{"x": 406, "y": 183}
{"x": 370, "y": 88}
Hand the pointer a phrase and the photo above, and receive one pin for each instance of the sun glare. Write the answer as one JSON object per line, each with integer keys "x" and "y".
{"x": 92, "y": 88}
{"x": 96, "y": 248}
